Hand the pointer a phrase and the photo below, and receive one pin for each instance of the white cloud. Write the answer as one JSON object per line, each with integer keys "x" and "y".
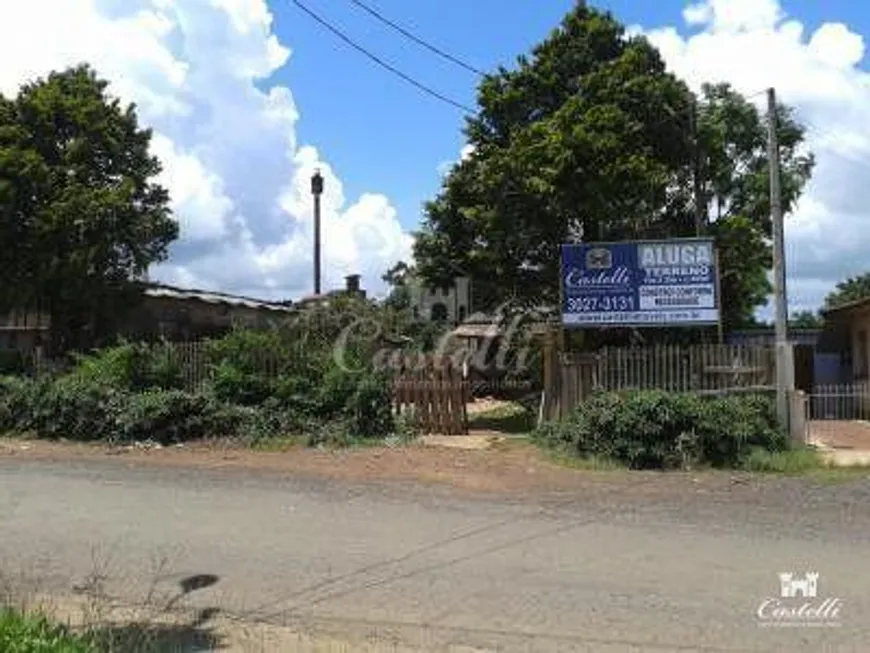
{"x": 753, "y": 45}
{"x": 240, "y": 183}
{"x": 465, "y": 153}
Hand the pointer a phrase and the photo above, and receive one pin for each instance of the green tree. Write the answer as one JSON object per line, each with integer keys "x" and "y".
{"x": 589, "y": 134}
{"x": 805, "y": 320}
{"x": 734, "y": 190}
{"x": 399, "y": 298}
{"x": 81, "y": 218}
{"x": 591, "y": 137}
{"x": 850, "y": 290}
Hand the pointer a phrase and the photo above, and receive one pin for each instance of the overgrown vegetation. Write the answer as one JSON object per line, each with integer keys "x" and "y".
{"x": 661, "y": 430}
{"x": 257, "y": 386}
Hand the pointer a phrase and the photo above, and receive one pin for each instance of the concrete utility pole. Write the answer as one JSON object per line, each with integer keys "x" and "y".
{"x": 700, "y": 209}
{"x": 317, "y": 191}
{"x": 784, "y": 356}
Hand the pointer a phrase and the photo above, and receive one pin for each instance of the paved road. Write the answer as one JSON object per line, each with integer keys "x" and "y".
{"x": 435, "y": 569}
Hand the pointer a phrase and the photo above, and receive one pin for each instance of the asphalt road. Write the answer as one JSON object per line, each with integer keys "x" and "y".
{"x": 434, "y": 569}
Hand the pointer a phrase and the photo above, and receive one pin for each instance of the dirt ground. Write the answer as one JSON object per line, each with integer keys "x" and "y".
{"x": 508, "y": 466}
{"x": 841, "y": 434}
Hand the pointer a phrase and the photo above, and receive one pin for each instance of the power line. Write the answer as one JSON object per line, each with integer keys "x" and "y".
{"x": 416, "y": 39}
{"x": 344, "y": 37}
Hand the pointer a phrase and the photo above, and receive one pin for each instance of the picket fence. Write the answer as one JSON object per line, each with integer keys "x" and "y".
{"x": 701, "y": 369}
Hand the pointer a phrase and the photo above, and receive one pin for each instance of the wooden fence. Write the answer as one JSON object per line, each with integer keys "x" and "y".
{"x": 702, "y": 369}
{"x": 432, "y": 393}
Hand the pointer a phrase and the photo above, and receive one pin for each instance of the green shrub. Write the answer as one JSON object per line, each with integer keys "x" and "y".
{"x": 663, "y": 430}
{"x": 163, "y": 368}
{"x": 299, "y": 393}
{"x": 79, "y": 409}
{"x": 730, "y": 428}
{"x": 238, "y": 386}
{"x": 370, "y": 409}
{"x": 75, "y": 408}
{"x": 36, "y": 634}
{"x": 165, "y": 416}
{"x": 337, "y": 393}
{"x": 17, "y": 396}
{"x": 271, "y": 421}
{"x": 261, "y": 385}
{"x": 123, "y": 367}
{"x": 252, "y": 352}
{"x": 132, "y": 366}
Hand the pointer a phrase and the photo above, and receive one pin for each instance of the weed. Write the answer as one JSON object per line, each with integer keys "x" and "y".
{"x": 793, "y": 461}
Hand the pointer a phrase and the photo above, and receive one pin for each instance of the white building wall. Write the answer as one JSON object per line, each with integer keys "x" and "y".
{"x": 454, "y": 301}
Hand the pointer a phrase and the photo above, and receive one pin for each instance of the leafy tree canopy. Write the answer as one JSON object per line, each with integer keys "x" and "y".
{"x": 590, "y": 137}
{"x": 81, "y": 218}
{"x": 850, "y": 290}
{"x": 806, "y": 320}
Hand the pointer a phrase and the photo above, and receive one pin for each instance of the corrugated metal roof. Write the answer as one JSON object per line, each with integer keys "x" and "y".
{"x": 215, "y": 298}
{"x": 848, "y": 306}
{"x": 478, "y": 331}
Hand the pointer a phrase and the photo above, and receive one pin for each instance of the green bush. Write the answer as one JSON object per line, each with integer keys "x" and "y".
{"x": 729, "y": 429}
{"x": 123, "y": 367}
{"x": 84, "y": 410}
{"x": 238, "y": 386}
{"x": 370, "y": 409}
{"x": 165, "y": 416}
{"x": 17, "y": 395}
{"x": 299, "y": 393}
{"x": 337, "y": 393}
{"x": 272, "y": 421}
{"x": 132, "y": 366}
{"x": 75, "y": 408}
{"x": 260, "y": 386}
{"x": 163, "y": 368}
{"x": 661, "y": 430}
{"x": 36, "y": 634}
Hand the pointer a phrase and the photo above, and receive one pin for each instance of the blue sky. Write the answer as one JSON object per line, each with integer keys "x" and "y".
{"x": 382, "y": 134}
{"x": 246, "y": 98}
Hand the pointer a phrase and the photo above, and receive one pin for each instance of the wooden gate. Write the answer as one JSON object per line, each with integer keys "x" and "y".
{"x": 432, "y": 392}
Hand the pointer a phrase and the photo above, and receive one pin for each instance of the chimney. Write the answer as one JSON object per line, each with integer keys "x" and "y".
{"x": 352, "y": 282}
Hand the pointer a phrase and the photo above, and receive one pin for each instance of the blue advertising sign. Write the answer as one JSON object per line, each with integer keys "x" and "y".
{"x": 640, "y": 283}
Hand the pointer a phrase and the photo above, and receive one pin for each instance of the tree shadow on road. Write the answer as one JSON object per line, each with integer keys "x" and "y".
{"x": 165, "y": 631}
{"x": 150, "y": 637}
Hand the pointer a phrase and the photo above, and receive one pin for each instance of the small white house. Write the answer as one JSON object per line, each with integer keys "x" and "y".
{"x": 446, "y": 304}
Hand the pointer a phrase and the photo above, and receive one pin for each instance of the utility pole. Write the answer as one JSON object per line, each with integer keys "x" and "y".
{"x": 317, "y": 191}
{"x": 700, "y": 208}
{"x": 784, "y": 356}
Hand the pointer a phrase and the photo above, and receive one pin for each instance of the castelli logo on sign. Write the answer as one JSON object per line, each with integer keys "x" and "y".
{"x": 599, "y": 259}
{"x": 619, "y": 277}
